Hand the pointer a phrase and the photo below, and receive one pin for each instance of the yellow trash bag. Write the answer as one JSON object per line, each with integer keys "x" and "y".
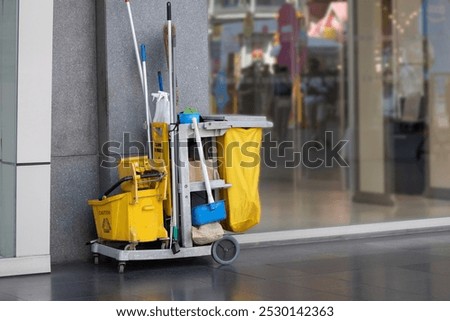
{"x": 239, "y": 165}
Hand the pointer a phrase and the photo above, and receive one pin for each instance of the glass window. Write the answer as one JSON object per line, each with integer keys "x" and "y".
{"x": 8, "y": 111}
{"x": 358, "y": 94}
{"x": 273, "y": 3}
{"x": 230, "y": 5}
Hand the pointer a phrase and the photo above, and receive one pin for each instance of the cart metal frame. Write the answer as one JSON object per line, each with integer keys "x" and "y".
{"x": 212, "y": 127}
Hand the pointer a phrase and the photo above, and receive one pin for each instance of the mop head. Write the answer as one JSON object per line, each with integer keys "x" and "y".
{"x": 207, "y": 234}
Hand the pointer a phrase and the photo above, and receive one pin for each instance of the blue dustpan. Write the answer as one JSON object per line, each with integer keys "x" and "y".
{"x": 208, "y": 213}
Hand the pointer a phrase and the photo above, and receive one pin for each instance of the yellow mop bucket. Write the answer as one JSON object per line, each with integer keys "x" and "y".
{"x": 118, "y": 218}
{"x": 135, "y": 215}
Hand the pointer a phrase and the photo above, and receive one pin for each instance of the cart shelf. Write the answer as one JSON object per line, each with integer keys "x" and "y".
{"x": 215, "y": 184}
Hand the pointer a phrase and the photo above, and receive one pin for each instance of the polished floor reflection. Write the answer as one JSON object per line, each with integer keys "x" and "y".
{"x": 323, "y": 202}
{"x": 408, "y": 268}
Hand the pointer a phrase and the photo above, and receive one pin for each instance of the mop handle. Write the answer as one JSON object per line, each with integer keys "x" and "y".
{"x": 202, "y": 161}
{"x": 169, "y": 49}
{"x": 136, "y": 49}
{"x": 160, "y": 81}
{"x": 169, "y": 11}
{"x": 143, "y": 53}
{"x": 172, "y": 121}
{"x": 147, "y": 107}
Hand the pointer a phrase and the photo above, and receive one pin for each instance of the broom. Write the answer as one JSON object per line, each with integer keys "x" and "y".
{"x": 166, "y": 45}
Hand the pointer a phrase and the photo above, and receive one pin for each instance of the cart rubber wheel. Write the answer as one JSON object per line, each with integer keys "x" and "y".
{"x": 121, "y": 267}
{"x": 164, "y": 245}
{"x": 226, "y": 250}
{"x": 130, "y": 247}
{"x": 96, "y": 259}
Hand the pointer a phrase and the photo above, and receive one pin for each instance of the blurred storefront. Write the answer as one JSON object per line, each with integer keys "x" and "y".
{"x": 358, "y": 94}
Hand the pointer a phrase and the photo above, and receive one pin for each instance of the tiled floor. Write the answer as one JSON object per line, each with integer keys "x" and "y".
{"x": 415, "y": 267}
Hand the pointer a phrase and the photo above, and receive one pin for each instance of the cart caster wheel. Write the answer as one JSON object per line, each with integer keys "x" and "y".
{"x": 226, "y": 250}
{"x": 130, "y": 247}
{"x": 121, "y": 267}
{"x": 164, "y": 245}
{"x": 96, "y": 259}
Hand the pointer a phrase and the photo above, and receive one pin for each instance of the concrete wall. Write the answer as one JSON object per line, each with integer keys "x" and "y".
{"x": 97, "y": 97}
{"x": 74, "y": 129}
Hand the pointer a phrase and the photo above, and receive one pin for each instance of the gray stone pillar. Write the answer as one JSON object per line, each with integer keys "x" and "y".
{"x": 120, "y": 97}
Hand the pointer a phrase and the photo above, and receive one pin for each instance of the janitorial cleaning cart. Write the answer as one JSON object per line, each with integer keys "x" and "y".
{"x": 196, "y": 186}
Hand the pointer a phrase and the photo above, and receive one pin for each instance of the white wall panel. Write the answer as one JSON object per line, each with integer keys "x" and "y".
{"x": 34, "y": 81}
{"x": 33, "y": 210}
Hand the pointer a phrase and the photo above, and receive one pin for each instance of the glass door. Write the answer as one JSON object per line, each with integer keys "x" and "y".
{"x": 8, "y": 125}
